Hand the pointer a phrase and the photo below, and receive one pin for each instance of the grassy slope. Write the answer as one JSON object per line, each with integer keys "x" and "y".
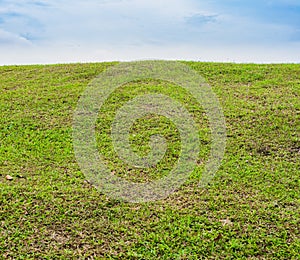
{"x": 53, "y": 212}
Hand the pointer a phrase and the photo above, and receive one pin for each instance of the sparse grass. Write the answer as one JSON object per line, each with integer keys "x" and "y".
{"x": 250, "y": 210}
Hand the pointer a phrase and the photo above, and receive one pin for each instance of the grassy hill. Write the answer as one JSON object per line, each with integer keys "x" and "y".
{"x": 250, "y": 209}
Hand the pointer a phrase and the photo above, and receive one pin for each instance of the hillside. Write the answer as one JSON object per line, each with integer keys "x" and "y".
{"x": 250, "y": 209}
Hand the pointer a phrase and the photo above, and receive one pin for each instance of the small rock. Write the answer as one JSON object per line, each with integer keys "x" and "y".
{"x": 9, "y": 178}
{"x": 226, "y": 222}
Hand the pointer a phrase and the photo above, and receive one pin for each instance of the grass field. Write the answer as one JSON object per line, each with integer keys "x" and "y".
{"x": 250, "y": 209}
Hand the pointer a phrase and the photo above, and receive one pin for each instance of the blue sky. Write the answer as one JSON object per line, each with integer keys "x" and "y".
{"x": 36, "y": 31}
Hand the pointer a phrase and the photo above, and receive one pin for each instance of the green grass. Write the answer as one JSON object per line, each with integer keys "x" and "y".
{"x": 249, "y": 210}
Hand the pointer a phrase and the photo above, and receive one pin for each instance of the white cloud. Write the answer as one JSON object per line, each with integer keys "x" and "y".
{"x": 8, "y": 38}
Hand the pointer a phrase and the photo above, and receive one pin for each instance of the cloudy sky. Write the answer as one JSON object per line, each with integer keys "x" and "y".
{"x": 58, "y": 31}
